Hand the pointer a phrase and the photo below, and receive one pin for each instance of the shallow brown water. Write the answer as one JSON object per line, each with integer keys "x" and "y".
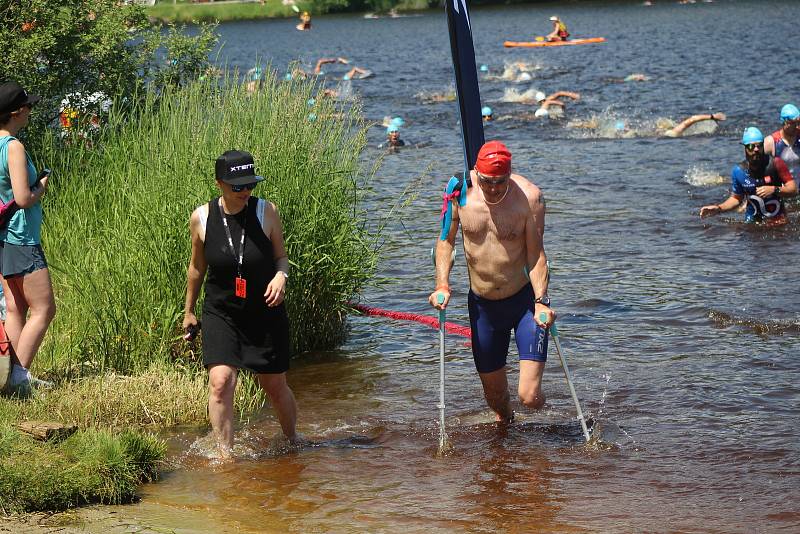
{"x": 682, "y": 334}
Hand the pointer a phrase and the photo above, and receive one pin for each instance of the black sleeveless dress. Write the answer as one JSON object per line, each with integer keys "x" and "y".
{"x": 241, "y": 332}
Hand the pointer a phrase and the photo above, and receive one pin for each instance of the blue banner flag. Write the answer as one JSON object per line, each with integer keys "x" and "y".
{"x": 469, "y": 97}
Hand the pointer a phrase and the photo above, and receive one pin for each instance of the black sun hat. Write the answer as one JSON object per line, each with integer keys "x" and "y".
{"x": 236, "y": 167}
{"x": 13, "y": 96}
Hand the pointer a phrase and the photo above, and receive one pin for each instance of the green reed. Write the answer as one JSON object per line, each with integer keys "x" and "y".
{"x": 116, "y": 225}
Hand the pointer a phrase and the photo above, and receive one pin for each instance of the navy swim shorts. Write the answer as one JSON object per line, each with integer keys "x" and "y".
{"x": 492, "y": 322}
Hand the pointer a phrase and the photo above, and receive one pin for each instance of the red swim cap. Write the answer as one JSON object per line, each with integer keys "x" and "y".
{"x": 494, "y": 159}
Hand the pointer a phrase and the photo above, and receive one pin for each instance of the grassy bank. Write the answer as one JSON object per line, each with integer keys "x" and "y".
{"x": 89, "y": 466}
{"x": 117, "y": 240}
{"x": 226, "y": 12}
{"x": 222, "y": 12}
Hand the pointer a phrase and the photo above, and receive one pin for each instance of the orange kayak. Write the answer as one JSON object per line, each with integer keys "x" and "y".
{"x": 536, "y": 44}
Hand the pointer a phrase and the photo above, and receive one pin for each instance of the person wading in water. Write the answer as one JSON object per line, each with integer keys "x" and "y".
{"x": 761, "y": 179}
{"x": 238, "y": 240}
{"x": 502, "y": 224}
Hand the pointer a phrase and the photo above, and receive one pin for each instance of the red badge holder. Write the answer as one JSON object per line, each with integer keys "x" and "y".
{"x": 241, "y": 287}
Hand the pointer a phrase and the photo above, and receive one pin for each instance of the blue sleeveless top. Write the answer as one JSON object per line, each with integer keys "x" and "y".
{"x": 25, "y": 226}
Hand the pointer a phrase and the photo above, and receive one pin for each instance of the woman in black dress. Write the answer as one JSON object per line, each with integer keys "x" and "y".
{"x": 238, "y": 240}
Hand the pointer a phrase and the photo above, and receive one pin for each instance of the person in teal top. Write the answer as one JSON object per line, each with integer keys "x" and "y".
{"x": 25, "y": 276}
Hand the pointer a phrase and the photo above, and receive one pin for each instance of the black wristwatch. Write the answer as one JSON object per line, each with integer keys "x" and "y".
{"x": 543, "y": 300}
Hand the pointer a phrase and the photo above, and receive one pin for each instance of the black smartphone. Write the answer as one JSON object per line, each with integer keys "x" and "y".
{"x": 191, "y": 331}
{"x": 43, "y": 174}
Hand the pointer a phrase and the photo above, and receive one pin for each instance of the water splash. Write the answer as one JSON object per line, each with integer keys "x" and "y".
{"x": 699, "y": 175}
{"x": 511, "y": 94}
{"x": 516, "y": 71}
{"x": 434, "y": 97}
{"x": 445, "y": 445}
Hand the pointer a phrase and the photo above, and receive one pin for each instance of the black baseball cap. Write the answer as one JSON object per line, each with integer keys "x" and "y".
{"x": 13, "y": 96}
{"x": 236, "y": 167}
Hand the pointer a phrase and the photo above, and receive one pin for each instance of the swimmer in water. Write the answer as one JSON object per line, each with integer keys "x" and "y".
{"x": 437, "y": 97}
{"x": 393, "y": 141}
{"x": 305, "y": 21}
{"x": 763, "y": 180}
{"x": 550, "y": 105}
{"x": 785, "y": 143}
{"x": 635, "y": 77}
{"x": 357, "y": 73}
{"x": 326, "y": 60}
{"x": 678, "y": 129}
{"x": 609, "y": 127}
{"x": 486, "y": 114}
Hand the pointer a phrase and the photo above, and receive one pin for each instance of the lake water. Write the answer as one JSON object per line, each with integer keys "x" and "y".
{"x": 683, "y": 335}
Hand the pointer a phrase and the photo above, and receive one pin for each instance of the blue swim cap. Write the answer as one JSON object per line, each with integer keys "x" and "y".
{"x": 397, "y": 121}
{"x": 310, "y": 102}
{"x": 789, "y": 112}
{"x": 346, "y": 77}
{"x": 288, "y": 76}
{"x": 392, "y": 128}
{"x": 484, "y": 68}
{"x": 312, "y": 117}
{"x": 486, "y": 110}
{"x": 752, "y": 135}
{"x": 619, "y": 125}
{"x": 256, "y": 74}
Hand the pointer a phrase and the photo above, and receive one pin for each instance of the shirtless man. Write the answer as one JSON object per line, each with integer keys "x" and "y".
{"x": 502, "y": 224}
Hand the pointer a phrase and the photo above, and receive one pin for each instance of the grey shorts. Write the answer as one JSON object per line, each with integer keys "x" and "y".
{"x": 19, "y": 260}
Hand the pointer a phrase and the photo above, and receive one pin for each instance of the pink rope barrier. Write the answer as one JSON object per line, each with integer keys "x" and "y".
{"x": 451, "y": 328}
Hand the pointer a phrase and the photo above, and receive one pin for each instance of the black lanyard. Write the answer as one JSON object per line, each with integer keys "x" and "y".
{"x": 230, "y": 239}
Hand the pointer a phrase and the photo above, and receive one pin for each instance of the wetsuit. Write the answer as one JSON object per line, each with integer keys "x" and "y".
{"x": 241, "y": 332}
{"x": 789, "y": 154}
{"x": 392, "y": 144}
{"x": 744, "y": 183}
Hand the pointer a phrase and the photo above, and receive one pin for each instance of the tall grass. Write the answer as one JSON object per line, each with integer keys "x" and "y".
{"x": 116, "y": 224}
